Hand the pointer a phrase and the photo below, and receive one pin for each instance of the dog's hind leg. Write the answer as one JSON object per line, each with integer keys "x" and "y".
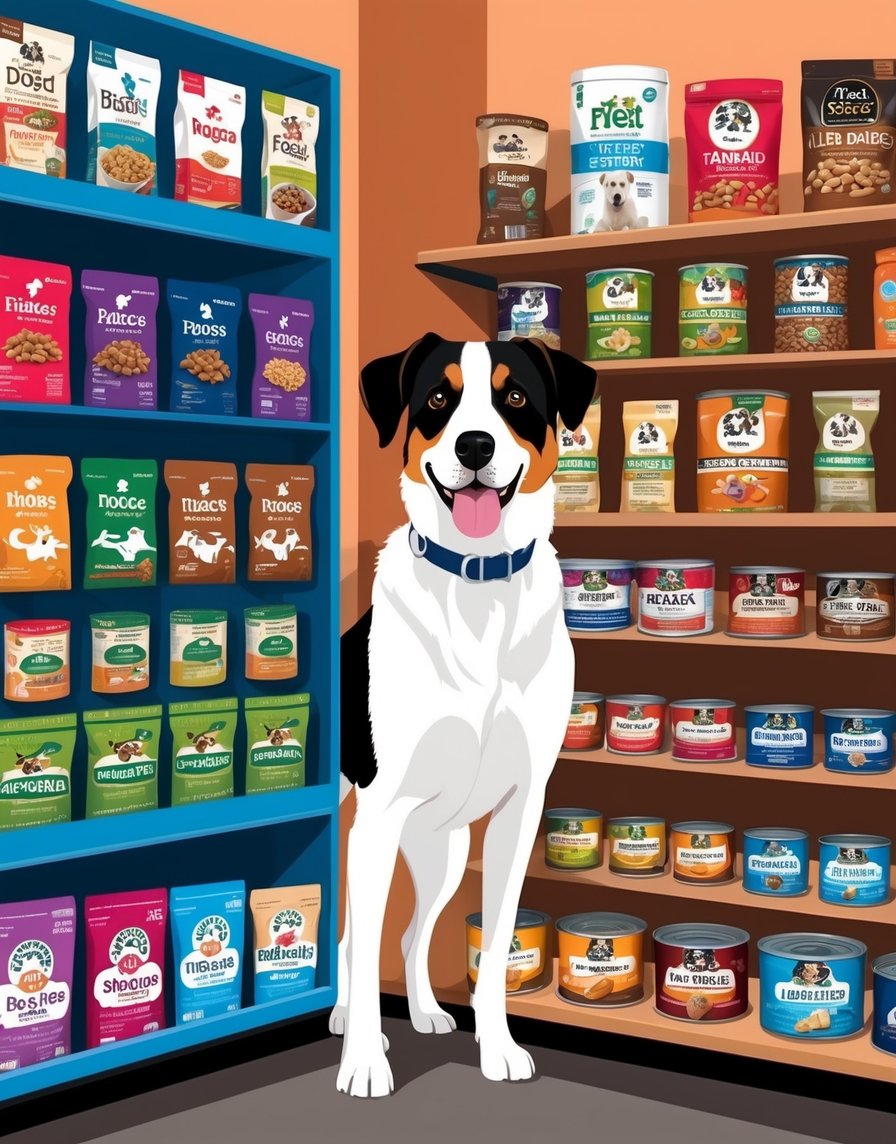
{"x": 437, "y": 860}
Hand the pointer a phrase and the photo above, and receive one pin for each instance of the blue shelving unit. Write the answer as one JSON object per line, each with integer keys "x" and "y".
{"x": 268, "y": 839}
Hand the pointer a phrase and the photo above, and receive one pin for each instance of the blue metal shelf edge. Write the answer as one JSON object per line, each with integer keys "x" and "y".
{"x": 13, "y": 407}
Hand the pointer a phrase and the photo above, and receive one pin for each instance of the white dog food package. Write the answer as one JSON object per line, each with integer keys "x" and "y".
{"x": 288, "y": 162}
{"x": 34, "y": 65}
{"x": 122, "y": 96}
{"x": 619, "y": 133}
{"x": 208, "y": 142}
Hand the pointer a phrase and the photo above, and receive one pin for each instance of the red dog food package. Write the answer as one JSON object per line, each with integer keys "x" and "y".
{"x": 733, "y": 131}
{"x": 37, "y": 950}
{"x": 125, "y": 964}
{"x": 34, "y": 344}
{"x": 201, "y": 522}
{"x": 208, "y": 147}
{"x": 34, "y": 64}
{"x": 281, "y": 383}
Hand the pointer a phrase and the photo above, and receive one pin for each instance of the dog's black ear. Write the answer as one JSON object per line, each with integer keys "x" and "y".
{"x": 386, "y": 385}
{"x": 575, "y": 383}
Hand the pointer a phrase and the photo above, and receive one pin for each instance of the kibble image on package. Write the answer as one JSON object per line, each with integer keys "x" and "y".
{"x": 205, "y": 318}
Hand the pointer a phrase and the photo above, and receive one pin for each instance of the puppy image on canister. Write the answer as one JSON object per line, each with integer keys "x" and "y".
{"x": 712, "y": 316}
{"x": 675, "y": 597}
{"x": 702, "y": 852}
{"x": 858, "y": 740}
{"x": 636, "y": 724}
{"x": 703, "y": 730}
{"x": 883, "y": 1027}
{"x": 854, "y": 869}
{"x": 601, "y": 959}
{"x": 776, "y": 861}
{"x": 529, "y": 310}
{"x": 702, "y": 971}
{"x": 855, "y": 606}
{"x": 572, "y": 838}
{"x": 585, "y": 730}
{"x": 779, "y": 735}
{"x": 597, "y": 594}
{"x": 637, "y": 846}
{"x": 528, "y": 965}
{"x": 811, "y": 985}
{"x": 766, "y": 602}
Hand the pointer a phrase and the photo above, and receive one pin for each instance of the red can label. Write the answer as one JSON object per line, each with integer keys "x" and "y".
{"x": 585, "y": 730}
{"x": 766, "y": 604}
{"x": 675, "y": 601}
{"x": 703, "y": 734}
{"x": 701, "y": 984}
{"x": 635, "y": 727}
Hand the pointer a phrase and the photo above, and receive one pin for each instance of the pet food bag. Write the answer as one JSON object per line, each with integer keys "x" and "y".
{"x": 121, "y": 522}
{"x": 122, "y": 366}
{"x": 36, "y": 770}
{"x": 844, "y": 461}
{"x": 37, "y": 952}
{"x": 742, "y": 451}
{"x": 202, "y": 750}
{"x": 648, "y": 471}
{"x": 122, "y": 760}
{"x": 34, "y": 65}
{"x": 288, "y": 162}
{"x": 281, "y": 384}
{"x": 35, "y": 535}
{"x": 285, "y": 922}
{"x": 122, "y": 97}
{"x": 125, "y": 964}
{"x": 201, "y": 522}
{"x": 208, "y": 148}
{"x": 513, "y": 162}
{"x": 34, "y": 341}
{"x": 276, "y": 730}
{"x": 577, "y": 478}
{"x": 280, "y": 521}
{"x": 205, "y": 319}
{"x": 207, "y": 933}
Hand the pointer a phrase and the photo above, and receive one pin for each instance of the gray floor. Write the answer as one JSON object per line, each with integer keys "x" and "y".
{"x": 442, "y": 1096}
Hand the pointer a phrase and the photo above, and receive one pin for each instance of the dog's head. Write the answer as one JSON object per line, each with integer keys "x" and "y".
{"x": 616, "y": 185}
{"x": 533, "y": 298}
{"x": 481, "y": 442}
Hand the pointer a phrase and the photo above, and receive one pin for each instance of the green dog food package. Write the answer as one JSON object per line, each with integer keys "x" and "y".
{"x": 122, "y": 760}
{"x": 36, "y": 770}
{"x": 844, "y": 460}
{"x": 121, "y": 523}
{"x": 202, "y": 750}
{"x": 277, "y": 729}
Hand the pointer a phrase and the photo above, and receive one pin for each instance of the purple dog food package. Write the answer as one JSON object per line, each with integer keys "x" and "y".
{"x": 281, "y": 384}
{"x": 37, "y": 951}
{"x": 122, "y": 365}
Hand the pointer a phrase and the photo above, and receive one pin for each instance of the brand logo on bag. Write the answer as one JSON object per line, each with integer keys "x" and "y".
{"x": 213, "y": 134}
{"x": 28, "y": 72}
{"x": 129, "y": 949}
{"x": 850, "y": 103}
{"x": 120, "y": 500}
{"x": 618, "y": 114}
{"x": 733, "y": 125}
{"x": 19, "y": 305}
{"x": 31, "y": 966}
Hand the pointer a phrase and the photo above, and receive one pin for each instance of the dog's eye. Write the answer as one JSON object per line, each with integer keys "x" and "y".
{"x": 437, "y": 400}
{"x": 516, "y": 399}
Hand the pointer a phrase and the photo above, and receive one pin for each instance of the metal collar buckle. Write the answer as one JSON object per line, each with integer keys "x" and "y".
{"x": 467, "y": 578}
{"x": 418, "y": 543}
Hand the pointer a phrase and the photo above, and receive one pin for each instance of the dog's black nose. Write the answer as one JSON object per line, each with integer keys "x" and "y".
{"x": 474, "y": 449}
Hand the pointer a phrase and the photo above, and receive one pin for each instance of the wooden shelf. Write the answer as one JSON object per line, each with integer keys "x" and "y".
{"x": 787, "y": 520}
{"x": 743, "y": 363}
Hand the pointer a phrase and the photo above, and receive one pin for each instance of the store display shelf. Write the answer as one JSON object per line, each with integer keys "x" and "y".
{"x": 160, "y": 418}
{"x": 786, "y": 520}
{"x": 742, "y": 363}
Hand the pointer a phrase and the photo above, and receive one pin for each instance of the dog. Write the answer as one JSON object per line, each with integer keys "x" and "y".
{"x": 532, "y": 309}
{"x": 128, "y": 549}
{"x": 280, "y": 550}
{"x": 712, "y": 284}
{"x": 620, "y": 212}
{"x": 619, "y": 288}
{"x": 43, "y": 547}
{"x": 470, "y": 674}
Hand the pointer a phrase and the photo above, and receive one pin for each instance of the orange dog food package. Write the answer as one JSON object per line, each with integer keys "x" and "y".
{"x": 35, "y": 535}
{"x": 742, "y": 451}
{"x": 280, "y": 521}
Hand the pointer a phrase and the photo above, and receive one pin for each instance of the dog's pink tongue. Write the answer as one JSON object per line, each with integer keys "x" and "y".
{"x": 476, "y": 512}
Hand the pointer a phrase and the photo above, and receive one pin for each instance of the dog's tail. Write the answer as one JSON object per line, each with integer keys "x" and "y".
{"x": 358, "y": 761}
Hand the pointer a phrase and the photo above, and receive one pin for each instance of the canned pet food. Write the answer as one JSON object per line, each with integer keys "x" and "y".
{"x": 779, "y": 735}
{"x": 675, "y": 597}
{"x": 858, "y": 740}
{"x": 810, "y": 303}
{"x": 36, "y": 657}
{"x": 811, "y": 985}
{"x": 637, "y": 846}
{"x": 776, "y": 861}
{"x": 703, "y": 730}
{"x": 585, "y": 730}
{"x": 601, "y": 959}
{"x": 636, "y": 724}
{"x": 271, "y": 642}
{"x": 528, "y": 965}
{"x": 712, "y": 316}
{"x": 766, "y": 602}
{"x": 702, "y": 852}
{"x": 597, "y": 594}
{"x": 854, "y": 869}
{"x": 120, "y": 652}
{"x": 855, "y": 606}
{"x": 620, "y": 310}
{"x": 198, "y": 648}
{"x": 701, "y": 971}
{"x": 883, "y": 1029}
{"x": 529, "y": 310}
{"x": 742, "y": 451}
{"x": 573, "y": 838}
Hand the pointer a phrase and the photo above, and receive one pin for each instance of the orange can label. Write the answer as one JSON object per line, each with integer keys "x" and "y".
{"x": 527, "y": 961}
{"x": 702, "y": 857}
{"x": 601, "y": 970}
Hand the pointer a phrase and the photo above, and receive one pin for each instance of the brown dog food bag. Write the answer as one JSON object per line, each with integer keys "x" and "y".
{"x": 280, "y": 521}
{"x": 35, "y": 535}
{"x": 201, "y": 522}
{"x": 513, "y": 159}
{"x": 742, "y": 451}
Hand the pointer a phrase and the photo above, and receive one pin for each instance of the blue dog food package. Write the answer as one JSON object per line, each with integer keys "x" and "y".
{"x": 205, "y": 319}
{"x": 286, "y": 920}
{"x": 207, "y": 933}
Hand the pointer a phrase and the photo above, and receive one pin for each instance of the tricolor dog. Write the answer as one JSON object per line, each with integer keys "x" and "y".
{"x": 470, "y": 674}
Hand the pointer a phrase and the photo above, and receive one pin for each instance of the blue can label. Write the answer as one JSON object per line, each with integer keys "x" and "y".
{"x": 597, "y": 600}
{"x": 811, "y": 999}
{"x": 883, "y": 1029}
{"x": 775, "y": 867}
{"x": 854, "y": 876}
{"x": 859, "y": 743}
{"x": 779, "y": 738}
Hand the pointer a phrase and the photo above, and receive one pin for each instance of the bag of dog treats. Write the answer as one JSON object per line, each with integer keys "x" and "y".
{"x": 577, "y": 479}
{"x": 121, "y": 522}
{"x": 648, "y": 471}
{"x": 122, "y": 760}
{"x": 34, "y": 64}
{"x": 125, "y": 964}
{"x": 37, "y": 953}
{"x": 205, "y": 319}
{"x": 285, "y": 922}
{"x": 201, "y": 522}
{"x": 34, "y": 342}
{"x": 733, "y": 132}
{"x": 202, "y": 750}
{"x": 280, "y": 521}
{"x": 288, "y": 163}
{"x": 35, "y": 536}
{"x": 208, "y": 146}
{"x": 281, "y": 384}
{"x": 844, "y": 460}
{"x": 122, "y": 370}
{"x": 742, "y": 451}
{"x": 207, "y": 934}
{"x": 36, "y": 770}
{"x": 513, "y": 161}
{"x": 122, "y": 97}
{"x": 276, "y": 730}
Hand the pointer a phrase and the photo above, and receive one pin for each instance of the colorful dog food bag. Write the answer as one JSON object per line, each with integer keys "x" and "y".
{"x": 742, "y": 451}
{"x": 34, "y": 65}
{"x": 205, "y": 319}
{"x": 121, "y": 522}
{"x": 577, "y": 479}
{"x": 513, "y": 161}
{"x": 202, "y": 750}
{"x": 35, "y": 536}
{"x": 122, "y": 760}
{"x": 34, "y": 341}
{"x": 201, "y": 522}
{"x": 276, "y": 727}
{"x": 122, "y": 366}
{"x": 125, "y": 965}
{"x": 208, "y": 147}
{"x": 122, "y": 97}
{"x": 207, "y": 932}
{"x": 844, "y": 459}
{"x": 288, "y": 162}
{"x": 281, "y": 384}
{"x": 280, "y": 521}
{"x": 285, "y": 921}
{"x": 648, "y": 472}
{"x": 36, "y": 770}
{"x": 37, "y": 951}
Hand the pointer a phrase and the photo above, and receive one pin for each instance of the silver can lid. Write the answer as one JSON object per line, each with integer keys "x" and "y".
{"x": 572, "y": 812}
{"x": 525, "y": 919}
{"x": 777, "y": 833}
{"x": 885, "y": 966}
{"x": 812, "y": 946}
{"x": 702, "y": 703}
{"x": 601, "y": 925}
{"x": 862, "y": 841}
{"x": 780, "y": 708}
{"x": 697, "y": 935}
{"x": 858, "y": 712}
{"x": 639, "y": 699}
{"x": 587, "y": 697}
{"x": 703, "y": 827}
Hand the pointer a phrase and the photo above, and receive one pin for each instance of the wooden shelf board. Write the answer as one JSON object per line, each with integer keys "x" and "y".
{"x": 744, "y": 362}
{"x": 652, "y": 520}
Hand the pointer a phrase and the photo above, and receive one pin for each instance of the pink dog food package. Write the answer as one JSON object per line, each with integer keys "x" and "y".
{"x": 125, "y": 960}
{"x": 121, "y": 371}
{"x": 37, "y": 948}
{"x": 281, "y": 383}
{"x": 34, "y": 342}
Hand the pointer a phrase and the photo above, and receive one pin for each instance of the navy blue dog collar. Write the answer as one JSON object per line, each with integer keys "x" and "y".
{"x": 472, "y": 569}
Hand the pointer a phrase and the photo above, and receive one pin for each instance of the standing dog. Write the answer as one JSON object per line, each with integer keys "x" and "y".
{"x": 470, "y": 674}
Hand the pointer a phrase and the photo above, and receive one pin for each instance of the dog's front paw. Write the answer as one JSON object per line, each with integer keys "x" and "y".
{"x": 364, "y": 1073}
{"x": 433, "y": 1020}
{"x": 504, "y": 1059}
{"x": 338, "y": 1018}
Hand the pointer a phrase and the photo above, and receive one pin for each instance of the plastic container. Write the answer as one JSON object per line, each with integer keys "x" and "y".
{"x": 885, "y": 300}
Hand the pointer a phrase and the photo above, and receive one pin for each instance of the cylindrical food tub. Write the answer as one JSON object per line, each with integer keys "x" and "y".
{"x": 702, "y": 852}
{"x": 597, "y": 594}
{"x": 637, "y": 846}
{"x": 712, "y": 316}
{"x": 883, "y": 1028}
{"x": 703, "y": 730}
{"x": 766, "y": 602}
{"x": 858, "y": 740}
{"x": 529, "y": 964}
{"x": 779, "y": 735}
{"x": 702, "y": 971}
{"x": 854, "y": 869}
{"x": 37, "y": 660}
{"x": 585, "y": 730}
{"x": 811, "y": 985}
{"x": 601, "y": 959}
{"x": 675, "y": 597}
{"x": 855, "y": 606}
{"x": 636, "y": 724}
{"x": 572, "y": 839}
{"x": 620, "y": 310}
{"x": 810, "y": 303}
{"x": 776, "y": 861}
{"x": 529, "y": 310}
